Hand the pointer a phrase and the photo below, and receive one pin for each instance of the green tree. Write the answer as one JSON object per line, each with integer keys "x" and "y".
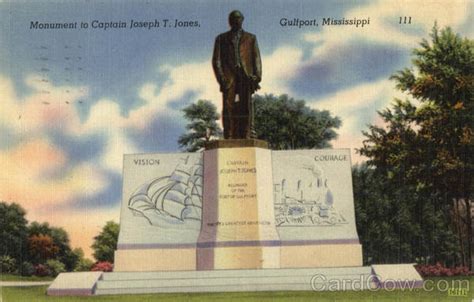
{"x": 83, "y": 264}
{"x": 105, "y": 243}
{"x": 55, "y": 267}
{"x": 286, "y": 123}
{"x": 202, "y": 126}
{"x": 7, "y": 265}
{"x": 425, "y": 150}
{"x": 283, "y": 122}
{"x": 60, "y": 239}
{"x": 13, "y": 231}
{"x": 395, "y": 224}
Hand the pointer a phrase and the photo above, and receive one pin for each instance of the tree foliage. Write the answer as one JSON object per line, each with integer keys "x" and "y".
{"x": 105, "y": 243}
{"x": 13, "y": 231}
{"x": 7, "y": 264}
{"x": 42, "y": 248}
{"x": 283, "y": 122}
{"x": 83, "y": 264}
{"x": 60, "y": 239}
{"x": 396, "y": 224}
{"x": 33, "y": 244}
{"x": 202, "y": 126}
{"x": 286, "y": 123}
{"x": 423, "y": 153}
{"x": 55, "y": 267}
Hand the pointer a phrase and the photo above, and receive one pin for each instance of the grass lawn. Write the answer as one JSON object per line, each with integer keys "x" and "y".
{"x": 8, "y": 277}
{"x": 17, "y": 294}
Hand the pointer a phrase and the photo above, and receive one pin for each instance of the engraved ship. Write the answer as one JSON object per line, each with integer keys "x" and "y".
{"x": 170, "y": 200}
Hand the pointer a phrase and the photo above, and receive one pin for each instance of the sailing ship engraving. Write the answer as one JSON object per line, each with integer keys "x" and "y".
{"x": 172, "y": 200}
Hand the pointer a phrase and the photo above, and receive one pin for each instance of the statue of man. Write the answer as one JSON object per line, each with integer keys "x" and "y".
{"x": 238, "y": 69}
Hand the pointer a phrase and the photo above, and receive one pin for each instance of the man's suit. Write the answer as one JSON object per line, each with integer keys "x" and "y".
{"x": 238, "y": 70}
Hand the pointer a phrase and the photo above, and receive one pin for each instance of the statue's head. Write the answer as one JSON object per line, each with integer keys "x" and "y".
{"x": 236, "y": 19}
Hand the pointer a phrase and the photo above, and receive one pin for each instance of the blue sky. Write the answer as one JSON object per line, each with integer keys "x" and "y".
{"x": 115, "y": 63}
{"x": 74, "y": 101}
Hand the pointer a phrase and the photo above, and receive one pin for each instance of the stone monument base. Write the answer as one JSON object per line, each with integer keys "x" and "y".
{"x": 236, "y": 143}
{"x": 155, "y": 259}
{"x": 242, "y": 257}
{"x": 321, "y": 255}
{"x": 305, "y": 279}
{"x": 281, "y": 256}
{"x": 237, "y": 217}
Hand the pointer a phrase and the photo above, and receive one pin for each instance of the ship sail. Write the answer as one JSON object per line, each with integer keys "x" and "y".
{"x": 173, "y": 199}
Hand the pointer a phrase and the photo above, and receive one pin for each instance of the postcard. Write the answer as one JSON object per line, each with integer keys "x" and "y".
{"x": 97, "y": 96}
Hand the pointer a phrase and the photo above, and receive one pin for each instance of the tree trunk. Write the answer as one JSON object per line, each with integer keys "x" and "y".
{"x": 470, "y": 233}
{"x": 458, "y": 222}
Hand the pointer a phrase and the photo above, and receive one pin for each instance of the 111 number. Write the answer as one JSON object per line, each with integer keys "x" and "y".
{"x": 404, "y": 20}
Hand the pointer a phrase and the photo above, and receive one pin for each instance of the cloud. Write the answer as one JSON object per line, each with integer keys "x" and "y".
{"x": 57, "y": 166}
{"x": 105, "y": 119}
{"x": 22, "y": 176}
{"x": 385, "y": 27}
{"x": 80, "y": 148}
{"x": 52, "y": 155}
{"x": 357, "y": 107}
{"x": 157, "y": 124}
{"x": 47, "y": 107}
{"x": 196, "y": 78}
{"x": 348, "y": 69}
{"x": 159, "y": 135}
{"x": 346, "y": 56}
{"x": 109, "y": 196}
{"x": 278, "y": 67}
{"x": 346, "y": 65}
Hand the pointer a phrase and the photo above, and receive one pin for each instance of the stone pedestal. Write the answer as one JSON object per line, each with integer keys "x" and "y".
{"x": 155, "y": 258}
{"x": 300, "y": 255}
{"x": 236, "y": 143}
{"x": 237, "y": 217}
{"x": 238, "y": 224}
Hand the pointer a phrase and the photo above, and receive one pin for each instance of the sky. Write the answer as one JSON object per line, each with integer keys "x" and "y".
{"x": 73, "y": 101}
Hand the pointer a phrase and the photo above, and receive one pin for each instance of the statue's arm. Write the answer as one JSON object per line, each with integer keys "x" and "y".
{"x": 257, "y": 62}
{"x": 217, "y": 61}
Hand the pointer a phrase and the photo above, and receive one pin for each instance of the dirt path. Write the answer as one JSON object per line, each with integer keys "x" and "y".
{"x": 24, "y": 283}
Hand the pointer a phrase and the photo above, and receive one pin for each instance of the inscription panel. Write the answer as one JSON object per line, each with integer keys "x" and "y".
{"x": 236, "y": 199}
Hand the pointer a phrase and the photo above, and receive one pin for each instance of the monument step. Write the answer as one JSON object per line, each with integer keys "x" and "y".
{"x": 235, "y": 273}
{"x": 213, "y": 289}
{"x": 228, "y": 280}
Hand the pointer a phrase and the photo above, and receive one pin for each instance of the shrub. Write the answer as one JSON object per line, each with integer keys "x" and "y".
{"x": 103, "y": 266}
{"x": 41, "y": 270}
{"x": 55, "y": 267}
{"x": 438, "y": 270}
{"x": 27, "y": 269}
{"x": 7, "y": 264}
{"x": 84, "y": 265}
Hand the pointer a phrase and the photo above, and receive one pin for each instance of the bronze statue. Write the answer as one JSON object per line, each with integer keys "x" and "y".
{"x": 238, "y": 69}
